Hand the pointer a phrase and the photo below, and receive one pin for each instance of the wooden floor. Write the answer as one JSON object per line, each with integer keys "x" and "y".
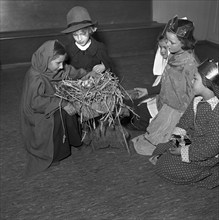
{"x": 108, "y": 184}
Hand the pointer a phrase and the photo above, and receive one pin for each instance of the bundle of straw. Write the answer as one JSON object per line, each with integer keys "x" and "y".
{"x": 99, "y": 95}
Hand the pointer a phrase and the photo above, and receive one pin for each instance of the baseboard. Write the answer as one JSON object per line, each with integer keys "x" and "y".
{"x": 14, "y": 65}
{"x": 114, "y": 57}
{"x": 209, "y": 43}
{"x": 120, "y": 40}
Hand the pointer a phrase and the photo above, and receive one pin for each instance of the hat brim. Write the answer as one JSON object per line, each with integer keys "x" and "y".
{"x": 78, "y": 27}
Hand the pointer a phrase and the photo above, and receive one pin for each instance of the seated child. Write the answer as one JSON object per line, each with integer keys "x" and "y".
{"x": 194, "y": 157}
{"x": 83, "y": 50}
{"x": 143, "y": 108}
{"x": 48, "y": 123}
{"x": 176, "y": 85}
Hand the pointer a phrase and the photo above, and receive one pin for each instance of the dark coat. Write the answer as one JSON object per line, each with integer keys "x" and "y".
{"x": 95, "y": 54}
{"x": 38, "y": 104}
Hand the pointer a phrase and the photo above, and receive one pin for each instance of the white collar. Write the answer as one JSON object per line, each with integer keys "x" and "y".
{"x": 213, "y": 101}
{"x": 83, "y": 47}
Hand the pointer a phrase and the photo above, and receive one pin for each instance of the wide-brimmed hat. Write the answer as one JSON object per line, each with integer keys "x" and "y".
{"x": 78, "y": 18}
{"x": 208, "y": 70}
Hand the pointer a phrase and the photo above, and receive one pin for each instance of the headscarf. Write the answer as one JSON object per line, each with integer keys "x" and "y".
{"x": 41, "y": 58}
{"x": 38, "y": 104}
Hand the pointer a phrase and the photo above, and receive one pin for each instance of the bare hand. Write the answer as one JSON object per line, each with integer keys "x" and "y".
{"x": 99, "y": 68}
{"x": 69, "y": 108}
{"x": 90, "y": 74}
{"x": 141, "y": 92}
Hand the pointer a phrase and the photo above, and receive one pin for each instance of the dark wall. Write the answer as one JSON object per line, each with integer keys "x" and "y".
{"x": 126, "y": 27}
{"x": 207, "y": 50}
{"x": 45, "y": 14}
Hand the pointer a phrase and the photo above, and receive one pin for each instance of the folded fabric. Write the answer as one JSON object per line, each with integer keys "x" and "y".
{"x": 157, "y": 81}
{"x": 162, "y": 126}
{"x": 159, "y": 63}
{"x": 142, "y": 146}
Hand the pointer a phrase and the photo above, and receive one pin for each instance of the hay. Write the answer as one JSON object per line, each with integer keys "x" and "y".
{"x": 101, "y": 94}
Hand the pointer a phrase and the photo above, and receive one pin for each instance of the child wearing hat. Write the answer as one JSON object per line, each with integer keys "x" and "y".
{"x": 83, "y": 50}
{"x": 176, "y": 85}
{"x": 195, "y": 161}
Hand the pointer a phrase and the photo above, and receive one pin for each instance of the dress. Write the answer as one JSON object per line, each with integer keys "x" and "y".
{"x": 199, "y": 162}
{"x": 175, "y": 95}
{"x": 41, "y": 125}
{"x": 95, "y": 54}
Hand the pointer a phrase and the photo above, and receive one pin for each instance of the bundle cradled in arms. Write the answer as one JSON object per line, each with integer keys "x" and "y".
{"x": 101, "y": 94}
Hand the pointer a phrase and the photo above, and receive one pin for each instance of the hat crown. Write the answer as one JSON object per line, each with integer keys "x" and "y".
{"x": 78, "y": 14}
{"x": 181, "y": 27}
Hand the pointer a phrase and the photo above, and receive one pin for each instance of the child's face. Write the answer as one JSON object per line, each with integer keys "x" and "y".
{"x": 56, "y": 64}
{"x": 163, "y": 48}
{"x": 198, "y": 86}
{"x": 173, "y": 42}
{"x": 81, "y": 36}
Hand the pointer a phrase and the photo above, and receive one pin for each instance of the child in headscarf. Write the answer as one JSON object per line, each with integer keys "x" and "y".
{"x": 176, "y": 85}
{"x": 83, "y": 50}
{"x": 48, "y": 124}
{"x": 193, "y": 156}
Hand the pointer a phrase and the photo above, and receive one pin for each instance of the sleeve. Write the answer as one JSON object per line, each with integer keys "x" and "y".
{"x": 207, "y": 145}
{"x": 153, "y": 90}
{"x": 182, "y": 85}
{"x": 186, "y": 122}
{"x": 74, "y": 74}
{"x": 40, "y": 102}
{"x": 189, "y": 72}
{"x": 104, "y": 57}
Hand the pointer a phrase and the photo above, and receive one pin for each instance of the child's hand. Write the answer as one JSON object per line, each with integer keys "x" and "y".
{"x": 69, "y": 108}
{"x": 99, "y": 68}
{"x": 141, "y": 92}
{"x": 175, "y": 150}
{"x": 89, "y": 75}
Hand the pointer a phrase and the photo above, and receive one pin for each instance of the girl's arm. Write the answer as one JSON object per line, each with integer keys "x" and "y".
{"x": 153, "y": 90}
{"x": 40, "y": 101}
{"x": 104, "y": 57}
